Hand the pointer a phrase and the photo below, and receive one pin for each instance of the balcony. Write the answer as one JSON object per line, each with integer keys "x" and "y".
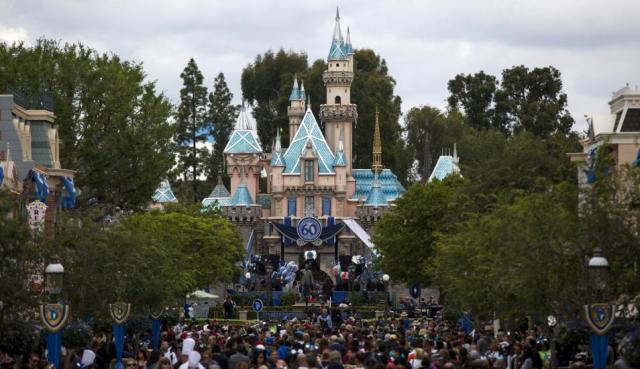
{"x": 338, "y": 113}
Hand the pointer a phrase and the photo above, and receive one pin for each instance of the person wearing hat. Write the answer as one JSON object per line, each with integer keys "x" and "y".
{"x": 88, "y": 357}
{"x": 193, "y": 361}
{"x": 187, "y": 347}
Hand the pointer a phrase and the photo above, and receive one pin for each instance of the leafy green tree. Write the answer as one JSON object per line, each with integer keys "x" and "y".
{"x": 222, "y": 114}
{"x": 192, "y": 128}
{"x": 474, "y": 94}
{"x": 429, "y": 131}
{"x": 19, "y": 254}
{"x": 114, "y": 127}
{"x": 518, "y": 260}
{"x": 149, "y": 259}
{"x": 533, "y": 101}
{"x": 266, "y": 85}
{"x": 406, "y": 236}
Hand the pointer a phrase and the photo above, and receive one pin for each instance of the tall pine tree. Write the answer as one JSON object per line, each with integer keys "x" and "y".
{"x": 222, "y": 114}
{"x": 192, "y": 128}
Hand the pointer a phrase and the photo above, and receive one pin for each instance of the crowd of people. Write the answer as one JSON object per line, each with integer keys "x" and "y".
{"x": 316, "y": 343}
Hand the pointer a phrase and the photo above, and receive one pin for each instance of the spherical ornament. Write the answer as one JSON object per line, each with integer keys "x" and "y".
{"x": 248, "y": 275}
{"x": 385, "y": 278}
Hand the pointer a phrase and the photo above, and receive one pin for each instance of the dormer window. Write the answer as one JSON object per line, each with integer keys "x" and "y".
{"x": 338, "y": 100}
{"x": 308, "y": 170}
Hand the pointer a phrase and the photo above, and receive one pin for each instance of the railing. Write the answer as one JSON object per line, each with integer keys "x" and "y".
{"x": 42, "y": 101}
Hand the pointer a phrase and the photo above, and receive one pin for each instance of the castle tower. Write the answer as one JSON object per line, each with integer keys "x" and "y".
{"x": 296, "y": 108}
{"x": 338, "y": 114}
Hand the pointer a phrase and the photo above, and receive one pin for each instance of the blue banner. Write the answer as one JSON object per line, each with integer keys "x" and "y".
{"x": 118, "y": 335}
{"x": 155, "y": 333}
{"x": 599, "y": 348}
{"x": 54, "y": 347}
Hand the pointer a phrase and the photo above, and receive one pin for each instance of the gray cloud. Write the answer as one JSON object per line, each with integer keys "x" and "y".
{"x": 593, "y": 43}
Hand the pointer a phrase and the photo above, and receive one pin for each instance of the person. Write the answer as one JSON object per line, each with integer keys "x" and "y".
{"x": 306, "y": 280}
{"x": 325, "y": 320}
{"x": 164, "y": 363}
{"x": 165, "y": 348}
{"x": 228, "y": 306}
{"x": 141, "y": 358}
{"x": 238, "y": 357}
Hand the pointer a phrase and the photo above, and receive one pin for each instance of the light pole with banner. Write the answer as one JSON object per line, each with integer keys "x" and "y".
{"x": 119, "y": 312}
{"x": 54, "y": 314}
{"x": 599, "y": 315}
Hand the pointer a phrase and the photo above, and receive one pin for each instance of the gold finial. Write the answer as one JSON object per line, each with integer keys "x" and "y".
{"x": 377, "y": 146}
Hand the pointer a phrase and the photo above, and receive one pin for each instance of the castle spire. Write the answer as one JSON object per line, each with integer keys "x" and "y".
{"x": 377, "y": 146}
{"x": 277, "y": 145}
{"x": 348, "y": 47}
{"x": 337, "y": 32}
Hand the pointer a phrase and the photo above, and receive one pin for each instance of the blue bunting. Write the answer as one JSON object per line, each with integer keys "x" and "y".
{"x": 69, "y": 201}
{"x": 1, "y": 175}
{"x": 54, "y": 347}
{"x": 42, "y": 186}
{"x": 118, "y": 334}
{"x": 599, "y": 347}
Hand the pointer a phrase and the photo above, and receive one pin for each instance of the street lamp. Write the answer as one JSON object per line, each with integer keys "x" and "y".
{"x": 54, "y": 277}
{"x": 598, "y": 269}
{"x": 599, "y": 314}
{"x": 54, "y": 315}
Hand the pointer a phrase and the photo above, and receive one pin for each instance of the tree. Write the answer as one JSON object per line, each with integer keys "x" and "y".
{"x": 20, "y": 251}
{"x": 222, "y": 114}
{"x": 406, "y": 236}
{"x": 526, "y": 100}
{"x": 474, "y": 93}
{"x": 533, "y": 101}
{"x": 266, "y": 85}
{"x": 150, "y": 260}
{"x": 113, "y": 125}
{"x": 429, "y": 131}
{"x": 192, "y": 127}
{"x": 518, "y": 260}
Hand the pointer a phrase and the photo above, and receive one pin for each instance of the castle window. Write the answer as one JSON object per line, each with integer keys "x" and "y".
{"x": 309, "y": 206}
{"x": 326, "y": 205}
{"x": 291, "y": 206}
{"x": 308, "y": 170}
{"x": 338, "y": 100}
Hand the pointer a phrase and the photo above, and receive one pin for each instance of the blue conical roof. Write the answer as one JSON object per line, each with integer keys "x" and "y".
{"x": 376, "y": 196}
{"x": 241, "y": 197}
{"x": 164, "y": 193}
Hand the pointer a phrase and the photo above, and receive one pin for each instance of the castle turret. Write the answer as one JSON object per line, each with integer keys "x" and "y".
{"x": 338, "y": 114}
{"x": 296, "y": 107}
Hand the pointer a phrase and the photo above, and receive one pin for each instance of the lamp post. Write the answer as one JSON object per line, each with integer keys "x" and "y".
{"x": 599, "y": 315}
{"x": 54, "y": 314}
{"x": 119, "y": 313}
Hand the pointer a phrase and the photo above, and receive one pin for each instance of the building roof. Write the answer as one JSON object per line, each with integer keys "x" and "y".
{"x": 391, "y": 187}
{"x": 277, "y": 158}
{"x": 341, "y": 159}
{"x": 163, "y": 193}
{"x": 309, "y": 131}
{"x": 338, "y": 49}
{"x": 241, "y": 197}
{"x": 446, "y": 165}
{"x": 244, "y": 138}
{"x": 264, "y": 199}
{"x": 376, "y": 196}
{"x": 297, "y": 93}
{"x": 219, "y": 190}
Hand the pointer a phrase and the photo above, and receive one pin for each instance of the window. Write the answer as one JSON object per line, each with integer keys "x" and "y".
{"x": 326, "y": 205}
{"x": 308, "y": 170}
{"x": 291, "y": 206}
{"x": 309, "y": 207}
{"x": 338, "y": 100}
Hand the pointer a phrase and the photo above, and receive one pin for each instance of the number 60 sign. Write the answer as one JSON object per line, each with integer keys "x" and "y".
{"x": 309, "y": 229}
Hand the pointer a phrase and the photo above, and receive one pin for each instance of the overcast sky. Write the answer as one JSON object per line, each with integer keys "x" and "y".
{"x": 595, "y": 44}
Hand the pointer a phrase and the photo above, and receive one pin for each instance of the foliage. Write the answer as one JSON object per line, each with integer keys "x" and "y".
{"x": 19, "y": 337}
{"x": 222, "y": 114}
{"x": 519, "y": 259}
{"x": 19, "y": 253}
{"x": 630, "y": 348}
{"x": 429, "y": 132}
{"x": 192, "y": 127}
{"x": 288, "y": 298}
{"x": 408, "y": 233}
{"x": 149, "y": 260}
{"x": 113, "y": 124}
{"x": 525, "y": 100}
{"x": 77, "y": 335}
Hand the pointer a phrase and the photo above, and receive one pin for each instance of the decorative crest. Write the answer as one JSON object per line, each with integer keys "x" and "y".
{"x": 600, "y": 317}
{"x": 54, "y": 316}
{"x": 120, "y": 311}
